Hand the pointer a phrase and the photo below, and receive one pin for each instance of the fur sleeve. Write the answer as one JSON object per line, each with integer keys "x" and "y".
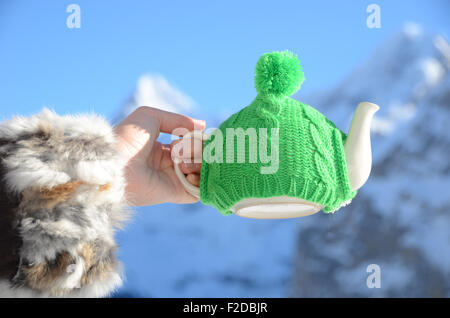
{"x": 62, "y": 196}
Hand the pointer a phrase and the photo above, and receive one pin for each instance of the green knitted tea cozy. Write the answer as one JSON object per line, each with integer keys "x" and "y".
{"x": 311, "y": 159}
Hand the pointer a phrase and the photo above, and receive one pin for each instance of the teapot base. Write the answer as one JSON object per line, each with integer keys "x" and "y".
{"x": 282, "y": 207}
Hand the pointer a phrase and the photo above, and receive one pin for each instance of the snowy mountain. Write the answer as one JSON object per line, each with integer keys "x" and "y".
{"x": 154, "y": 89}
{"x": 400, "y": 219}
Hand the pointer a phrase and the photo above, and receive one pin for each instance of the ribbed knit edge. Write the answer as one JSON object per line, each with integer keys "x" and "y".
{"x": 316, "y": 192}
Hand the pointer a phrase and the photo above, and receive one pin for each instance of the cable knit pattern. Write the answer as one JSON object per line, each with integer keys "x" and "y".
{"x": 312, "y": 162}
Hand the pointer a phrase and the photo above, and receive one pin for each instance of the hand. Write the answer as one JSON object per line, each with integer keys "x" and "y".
{"x": 149, "y": 171}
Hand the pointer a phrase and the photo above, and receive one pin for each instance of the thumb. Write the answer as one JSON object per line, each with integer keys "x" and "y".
{"x": 136, "y": 135}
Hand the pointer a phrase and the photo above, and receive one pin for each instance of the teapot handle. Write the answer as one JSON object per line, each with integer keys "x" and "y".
{"x": 190, "y": 188}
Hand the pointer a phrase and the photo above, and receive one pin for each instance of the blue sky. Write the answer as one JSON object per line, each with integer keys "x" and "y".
{"x": 207, "y": 49}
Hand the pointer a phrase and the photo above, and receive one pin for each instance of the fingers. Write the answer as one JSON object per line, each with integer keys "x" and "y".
{"x": 194, "y": 179}
{"x": 162, "y": 159}
{"x": 188, "y": 168}
{"x": 136, "y": 135}
{"x": 138, "y": 132}
{"x": 189, "y": 160}
{"x": 168, "y": 121}
{"x": 191, "y": 168}
{"x": 188, "y": 150}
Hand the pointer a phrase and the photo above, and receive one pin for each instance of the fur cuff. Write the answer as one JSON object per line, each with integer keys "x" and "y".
{"x": 66, "y": 178}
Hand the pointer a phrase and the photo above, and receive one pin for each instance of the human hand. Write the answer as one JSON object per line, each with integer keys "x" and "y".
{"x": 149, "y": 172}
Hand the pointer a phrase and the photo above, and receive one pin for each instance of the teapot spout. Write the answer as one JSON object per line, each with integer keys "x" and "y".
{"x": 357, "y": 147}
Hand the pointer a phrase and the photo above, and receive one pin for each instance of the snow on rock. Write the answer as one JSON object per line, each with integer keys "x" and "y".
{"x": 152, "y": 90}
{"x": 400, "y": 219}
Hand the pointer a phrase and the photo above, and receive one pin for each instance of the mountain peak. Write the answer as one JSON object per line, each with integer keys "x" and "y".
{"x": 156, "y": 91}
{"x": 401, "y": 71}
{"x": 412, "y": 30}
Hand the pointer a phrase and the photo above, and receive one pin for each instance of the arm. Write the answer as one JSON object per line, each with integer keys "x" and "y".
{"x": 65, "y": 185}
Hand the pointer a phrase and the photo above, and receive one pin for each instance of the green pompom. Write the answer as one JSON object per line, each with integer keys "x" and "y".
{"x": 278, "y": 73}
